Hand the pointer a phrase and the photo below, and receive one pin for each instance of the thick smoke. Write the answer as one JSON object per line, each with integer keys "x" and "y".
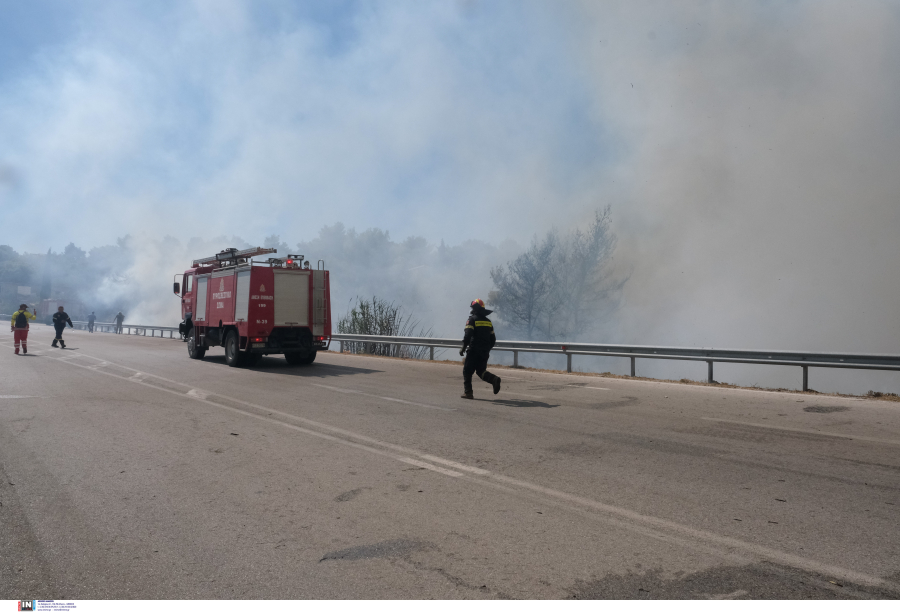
{"x": 761, "y": 176}
{"x": 748, "y": 151}
{"x": 434, "y": 282}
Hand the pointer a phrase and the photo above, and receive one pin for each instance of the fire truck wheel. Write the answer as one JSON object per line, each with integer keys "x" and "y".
{"x": 232, "y": 350}
{"x": 194, "y": 351}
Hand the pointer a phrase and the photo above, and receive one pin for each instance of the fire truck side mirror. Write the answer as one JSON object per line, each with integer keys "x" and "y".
{"x": 176, "y": 288}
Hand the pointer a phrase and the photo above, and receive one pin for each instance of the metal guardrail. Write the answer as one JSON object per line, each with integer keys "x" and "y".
{"x": 805, "y": 360}
{"x": 138, "y": 330}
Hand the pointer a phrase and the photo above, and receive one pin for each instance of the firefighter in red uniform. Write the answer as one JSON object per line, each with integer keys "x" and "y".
{"x": 479, "y": 339}
{"x": 19, "y": 326}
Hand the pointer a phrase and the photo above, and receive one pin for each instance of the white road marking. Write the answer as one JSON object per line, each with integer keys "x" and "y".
{"x": 197, "y": 393}
{"x": 454, "y": 464}
{"x": 17, "y": 396}
{"x": 648, "y": 525}
{"x": 388, "y": 399}
{"x": 806, "y": 431}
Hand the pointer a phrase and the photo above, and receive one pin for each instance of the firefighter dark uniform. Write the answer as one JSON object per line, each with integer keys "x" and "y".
{"x": 60, "y": 320}
{"x": 479, "y": 339}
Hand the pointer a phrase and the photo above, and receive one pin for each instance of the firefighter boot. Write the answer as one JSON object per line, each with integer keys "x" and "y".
{"x": 493, "y": 380}
{"x": 467, "y": 395}
{"x": 54, "y": 345}
{"x": 62, "y": 343}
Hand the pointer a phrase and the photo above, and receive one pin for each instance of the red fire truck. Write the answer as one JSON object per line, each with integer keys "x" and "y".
{"x": 255, "y": 308}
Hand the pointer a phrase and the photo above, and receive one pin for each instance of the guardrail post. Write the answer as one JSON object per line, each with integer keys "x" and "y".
{"x": 805, "y": 378}
{"x": 431, "y": 353}
{"x": 568, "y": 363}
{"x": 340, "y": 346}
{"x": 632, "y": 366}
{"x": 515, "y": 359}
{"x": 709, "y": 376}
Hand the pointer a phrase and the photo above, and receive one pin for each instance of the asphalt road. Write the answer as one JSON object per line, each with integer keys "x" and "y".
{"x": 129, "y": 471}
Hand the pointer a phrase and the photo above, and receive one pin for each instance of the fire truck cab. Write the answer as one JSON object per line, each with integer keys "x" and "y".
{"x": 255, "y": 308}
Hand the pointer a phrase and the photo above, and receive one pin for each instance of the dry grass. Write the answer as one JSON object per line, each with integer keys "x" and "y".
{"x": 888, "y": 397}
{"x": 876, "y": 395}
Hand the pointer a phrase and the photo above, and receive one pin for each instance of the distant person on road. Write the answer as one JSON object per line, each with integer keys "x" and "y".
{"x": 479, "y": 339}
{"x": 119, "y": 318}
{"x": 91, "y": 319}
{"x": 60, "y": 320}
{"x": 19, "y": 327}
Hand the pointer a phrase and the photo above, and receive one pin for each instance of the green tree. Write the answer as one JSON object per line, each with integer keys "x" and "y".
{"x": 562, "y": 287}
{"x": 522, "y": 291}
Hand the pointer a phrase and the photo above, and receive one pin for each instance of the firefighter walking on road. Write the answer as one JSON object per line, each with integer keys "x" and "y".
{"x": 479, "y": 340}
{"x": 60, "y": 320}
{"x": 119, "y": 318}
{"x": 19, "y": 326}
{"x": 91, "y": 318}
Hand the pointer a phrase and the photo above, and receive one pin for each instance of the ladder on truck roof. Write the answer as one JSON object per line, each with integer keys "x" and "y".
{"x": 232, "y": 255}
